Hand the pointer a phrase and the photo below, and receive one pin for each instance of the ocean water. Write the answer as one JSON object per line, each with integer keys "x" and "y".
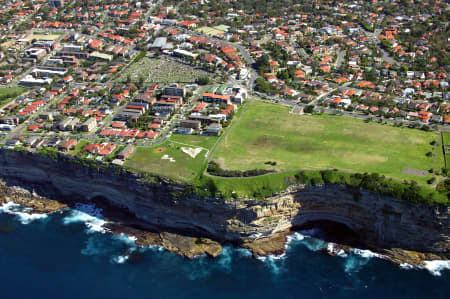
{"x": 69, "y": 255}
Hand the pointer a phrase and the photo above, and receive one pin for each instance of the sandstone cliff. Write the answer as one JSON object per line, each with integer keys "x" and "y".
{"x": 378, "y": 221}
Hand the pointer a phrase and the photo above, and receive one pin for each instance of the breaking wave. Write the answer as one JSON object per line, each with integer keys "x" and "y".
{"x": 89, "y": 215}
{"x": 202, "y": 267}
{"x": 23, "y": 214}
{"x": 355, "y": 260}
{"x": 121, "y": 259}
{"x": 436, "y": 267}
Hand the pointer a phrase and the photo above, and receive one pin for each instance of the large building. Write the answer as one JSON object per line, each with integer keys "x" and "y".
{"x": 89, "y": 124}
{"x": 68, "y": 124}
{"x": 29, "y": 80}
{"x": 123, "y": 155}
{"x": 161, "y": 106}
{"x": 192, "y": 124}
{"x": 47, "y": 71}
{"x": 216, "y": 98}
{"x": 175, "y": 90}
{"x": 185, "y": 54}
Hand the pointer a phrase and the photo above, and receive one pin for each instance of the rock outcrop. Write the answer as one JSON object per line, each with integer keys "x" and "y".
{"x": 186, "y": 246}
{"x": 36, "y": 203}
{"x": 163, "y": 206}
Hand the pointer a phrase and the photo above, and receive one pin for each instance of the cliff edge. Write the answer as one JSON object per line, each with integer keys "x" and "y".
{"x": 376, "y": 221}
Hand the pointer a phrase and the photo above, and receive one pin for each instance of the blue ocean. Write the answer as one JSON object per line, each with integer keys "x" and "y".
{"x": 68, "y": 255}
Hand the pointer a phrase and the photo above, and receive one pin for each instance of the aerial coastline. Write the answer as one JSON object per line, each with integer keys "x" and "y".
{"x": 152, "y": 210}
{"x": 199, "y": 126}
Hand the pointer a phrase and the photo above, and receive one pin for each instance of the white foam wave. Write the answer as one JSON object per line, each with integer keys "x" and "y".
{"x": 88, "y": 214}
{"x": 366, "y": 253}
{"x": 334, "y": 250}
{"x": 406, "y": 266}
{"x": 314, "y": 244}
{"x": 128, "y": 240}
{"x": 121, "y": 259}
{"x": 296, "y": 237}
{"x": 313, "y": 232}
{"x": 22, "y": 213}
{"x": 274, "y": 263}
{"x": 436, "y": 267}
{"x": 89, "y": 209}
{"x": 359, "y": 258}
{"x": 354, "y": 263}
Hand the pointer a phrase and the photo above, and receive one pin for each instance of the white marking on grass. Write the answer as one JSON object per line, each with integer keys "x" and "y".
{"x": 167, "y": 157}
{"x": 191, "y": 152}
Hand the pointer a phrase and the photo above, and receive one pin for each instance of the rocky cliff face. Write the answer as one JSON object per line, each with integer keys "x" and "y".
{"x": 378, "y": 221}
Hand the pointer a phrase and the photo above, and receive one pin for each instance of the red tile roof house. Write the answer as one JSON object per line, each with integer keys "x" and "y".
{"x": 446, "y": 119}
{"x": 33, "y": 128}
{"x": 147, "y": 134}
{"x": 68, "y": 145}
{"x": 103, "y": 149}
{"x": 215, "y": 98}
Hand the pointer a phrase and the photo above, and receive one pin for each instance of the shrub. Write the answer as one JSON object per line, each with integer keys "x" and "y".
{"x": 215, "y": 169}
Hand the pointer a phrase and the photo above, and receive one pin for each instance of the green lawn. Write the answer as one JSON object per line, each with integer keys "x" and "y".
{"x": 268, "y": 132}
{"x": 7, "y": 94}
{"x": 256, "y": 187}
{"x": 446, "y": 141}
{"x": 179, "y": 166}
{"x": 195, "y": 140}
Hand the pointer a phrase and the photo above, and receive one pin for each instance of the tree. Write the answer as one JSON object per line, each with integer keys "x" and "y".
{"x": 262, "y": 64}
{"x": 263, "y": 85}
{"x": 140, "y": 82}
{"x": 309, "y": 109}
{"x": 204, "y": 80}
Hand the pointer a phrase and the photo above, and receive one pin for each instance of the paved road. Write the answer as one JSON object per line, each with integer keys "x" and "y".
{"x": 316, "y": 100}
{"x": 340, "y": 58}
{"x": 376, "y": 36}
{"x": 16, "y": 132}
{"x": 242, "y": 49}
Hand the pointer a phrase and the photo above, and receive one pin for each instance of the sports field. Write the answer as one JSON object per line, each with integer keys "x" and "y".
{"x": 210, "y": 31}
{"x": 45, "y": 37}
{"x": 168, "y": 158}
{"x": 268, "y": 132}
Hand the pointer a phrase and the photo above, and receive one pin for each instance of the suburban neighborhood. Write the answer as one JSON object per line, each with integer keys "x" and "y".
{"x": 225, "y": 148}
{"x": 100, "y": 80}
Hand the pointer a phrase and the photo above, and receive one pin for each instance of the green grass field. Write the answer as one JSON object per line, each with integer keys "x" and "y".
{"x": 268, "y": 132}
{"x": 182, "y": 166}
{"x": 210, "y": 31}
{"x": 195, "y": 140}
{"x": 7, "y": 94}
{"x": 446, "y": 141}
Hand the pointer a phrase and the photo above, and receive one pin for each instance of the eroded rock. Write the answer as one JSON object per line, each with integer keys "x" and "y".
{"x": 274, "y": 244}
{"x": 186, "y": 246}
